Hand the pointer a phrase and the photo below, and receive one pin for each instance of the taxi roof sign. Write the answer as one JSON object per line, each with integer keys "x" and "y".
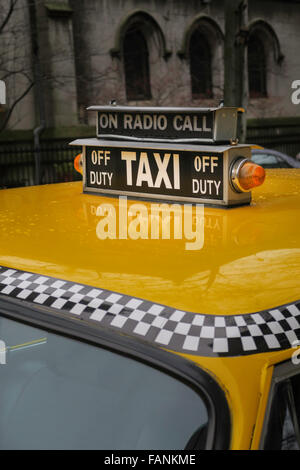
{"x": 161, "y": 171}
{"x": 173, "y": 154}
{"x": 170, "y": 124}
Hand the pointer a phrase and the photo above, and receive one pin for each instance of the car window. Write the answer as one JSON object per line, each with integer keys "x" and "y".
{"x": 283, "y": 421}
{"x": 268, "y": 160}
{"x": 60, "y": 393}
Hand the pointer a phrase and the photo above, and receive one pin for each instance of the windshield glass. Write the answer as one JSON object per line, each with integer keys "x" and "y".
{"x": 60, "y": 393}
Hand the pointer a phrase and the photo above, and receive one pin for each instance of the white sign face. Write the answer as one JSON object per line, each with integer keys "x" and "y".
{"x": 2, "y": 92}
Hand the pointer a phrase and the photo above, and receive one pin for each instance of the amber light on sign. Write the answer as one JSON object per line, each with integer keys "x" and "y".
{"x": 247, "y": 175}
{"x": 78, "y": 163}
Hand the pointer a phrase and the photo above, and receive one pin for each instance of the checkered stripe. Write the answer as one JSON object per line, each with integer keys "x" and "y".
{"x": 177, "y": 330}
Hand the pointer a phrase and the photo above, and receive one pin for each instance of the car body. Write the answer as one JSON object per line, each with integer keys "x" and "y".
{"x": 269, "y": 158}
{"x": 222, "y": 319}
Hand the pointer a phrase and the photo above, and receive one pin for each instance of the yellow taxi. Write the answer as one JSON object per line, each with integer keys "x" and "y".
{"x": 115, "y": 339}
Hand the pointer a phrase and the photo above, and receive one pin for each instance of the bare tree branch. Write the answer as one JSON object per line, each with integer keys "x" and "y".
{"x": 9, "y": 13}
{"x": 14, "y": 105}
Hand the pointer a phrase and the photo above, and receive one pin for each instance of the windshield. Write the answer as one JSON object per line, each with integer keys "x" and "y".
{"x": 60, "y": 393}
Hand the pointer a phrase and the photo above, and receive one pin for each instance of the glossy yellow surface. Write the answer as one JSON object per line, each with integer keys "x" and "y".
{"x": 250, "y": 261}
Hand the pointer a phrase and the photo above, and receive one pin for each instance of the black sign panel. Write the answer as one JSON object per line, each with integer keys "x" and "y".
{"x": 156, "y": 125}
{"x": 153, "y": 172}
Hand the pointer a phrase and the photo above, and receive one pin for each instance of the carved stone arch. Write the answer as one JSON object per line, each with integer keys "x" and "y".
{"x": 268, "y": 36}
{"x": 202, "y": 48}
{"x": 264, "y": 59}
{"x": 210, "y": 29}
{"x": 148, "y": 25}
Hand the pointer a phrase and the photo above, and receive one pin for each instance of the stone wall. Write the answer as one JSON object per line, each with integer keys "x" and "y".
{"x": 81, "y": 55}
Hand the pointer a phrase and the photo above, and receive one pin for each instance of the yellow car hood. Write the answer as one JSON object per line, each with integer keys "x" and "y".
{"x": 249, "y": 261}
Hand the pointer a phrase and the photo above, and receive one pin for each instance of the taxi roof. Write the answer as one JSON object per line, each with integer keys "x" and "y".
{"x": 249, "y": 262}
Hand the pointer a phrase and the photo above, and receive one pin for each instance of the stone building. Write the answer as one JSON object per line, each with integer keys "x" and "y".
{"x": 78, "y": 53}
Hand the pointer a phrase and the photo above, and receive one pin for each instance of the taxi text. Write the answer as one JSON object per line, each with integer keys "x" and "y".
{"x": 157, "y": 170}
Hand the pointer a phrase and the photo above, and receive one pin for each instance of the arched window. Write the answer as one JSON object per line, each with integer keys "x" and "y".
{"x": 136, "y": 64}
{"x": 257, "y": 67}
{"x": 200, "y": 65}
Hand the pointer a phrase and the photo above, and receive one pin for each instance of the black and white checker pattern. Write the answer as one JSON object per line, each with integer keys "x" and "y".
{"x": 186, "y": 332}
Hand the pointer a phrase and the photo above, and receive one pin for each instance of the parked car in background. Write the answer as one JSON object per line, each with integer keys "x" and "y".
{"x": 268, "y": 158}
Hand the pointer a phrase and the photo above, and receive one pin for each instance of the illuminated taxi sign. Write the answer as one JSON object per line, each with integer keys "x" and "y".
{"x": 174, "y": 172}
{"x": 206, "y": 125}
